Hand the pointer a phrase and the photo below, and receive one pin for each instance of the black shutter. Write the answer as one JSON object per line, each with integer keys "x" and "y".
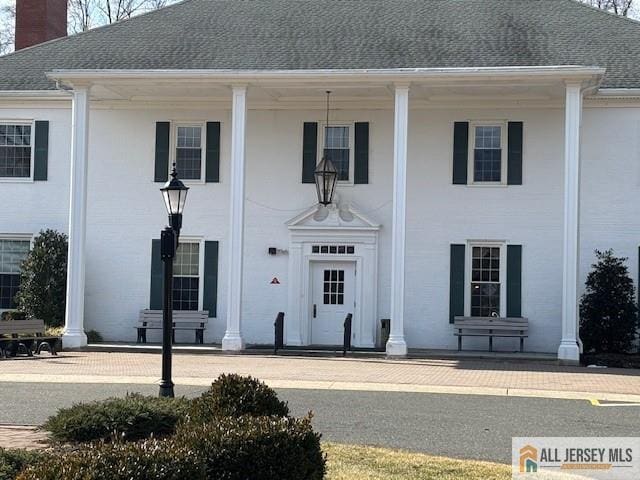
{"x": 460, "y": 152}
{"x": 41, "y": 153}
{"x": 456, "y": 282}
{"x": 361, "y": 153}
{"x": 210, "y": 301}
{"x": 514, "y": 165}
{"x": 514, "y": 280}
{"x": 309, "y": 151}
{"x": 162, "y": 151}
{"x": 213, "y": 153}
{"x": 157, "y": 277}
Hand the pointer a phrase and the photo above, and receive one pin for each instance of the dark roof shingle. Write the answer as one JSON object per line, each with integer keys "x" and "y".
{"x": 344, "y": 34}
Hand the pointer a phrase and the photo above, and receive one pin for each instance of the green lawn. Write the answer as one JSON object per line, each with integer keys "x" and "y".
{"x": 355, "y": 462}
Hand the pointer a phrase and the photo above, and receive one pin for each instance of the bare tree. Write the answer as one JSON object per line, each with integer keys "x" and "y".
{"x": 624, "y": 8}
{"x": 7, "y": 27}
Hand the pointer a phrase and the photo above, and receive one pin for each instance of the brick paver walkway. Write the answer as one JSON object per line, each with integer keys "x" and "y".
{"x": 485, "y": 376}
{"x": 12, "y": 436}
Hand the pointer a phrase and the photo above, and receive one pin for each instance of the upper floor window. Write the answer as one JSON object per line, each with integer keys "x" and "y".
{"x": 488, "y": 162}
{"x": 188, "y": 151}
{"x": 12, "y": 254}
{"x": 337, "y": 147}
{"x": 15, "y": 150}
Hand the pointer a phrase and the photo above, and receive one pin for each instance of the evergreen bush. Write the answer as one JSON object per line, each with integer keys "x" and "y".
{"x": 608, "y": 310}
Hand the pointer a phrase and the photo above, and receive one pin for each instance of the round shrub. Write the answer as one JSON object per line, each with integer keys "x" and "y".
{"x": 133, "y": 417}
{"x": 233, "y": 396}
{"x": 14, "y": 461}
{"x": 151, "y": 459}
{"x": 259, "y": 448}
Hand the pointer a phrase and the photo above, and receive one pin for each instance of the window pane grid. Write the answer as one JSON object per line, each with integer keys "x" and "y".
{"x": 333, "y": 287}
{"x": 189, "y": 153}
{"x": 15, "y": 151}
{"x": 186, "y": 277}
{"x": 487, "y": 154}
{"x": 485, "y": 281}
{"x": 12, "y": 254}
{"x": 337, "y": 149}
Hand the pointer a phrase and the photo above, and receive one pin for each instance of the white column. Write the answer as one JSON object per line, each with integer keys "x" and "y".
{"x": 233, "y": 338}
{"x": 396, "y": 346}
{"x": 569, "y": 351}
{"x": 74, "y": 336}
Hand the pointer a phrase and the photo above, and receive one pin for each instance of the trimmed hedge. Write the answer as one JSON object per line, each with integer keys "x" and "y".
{"x": 14, "y": 461}
{"x": 134, "y": 417}
{"x": 256, "y": 448}
{"x": 233, "y": 396}
{"x": 150, "y": 459}
{"x": 260, "y": 448}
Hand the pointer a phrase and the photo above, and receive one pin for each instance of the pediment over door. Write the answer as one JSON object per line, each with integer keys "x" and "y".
{"x": 332, "y": 217}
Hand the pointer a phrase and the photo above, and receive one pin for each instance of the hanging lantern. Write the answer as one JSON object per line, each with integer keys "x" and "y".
{"x": 326, "y": 173}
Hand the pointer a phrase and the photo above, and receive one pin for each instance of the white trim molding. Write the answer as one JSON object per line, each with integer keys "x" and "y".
{"x": 332, "y": 225}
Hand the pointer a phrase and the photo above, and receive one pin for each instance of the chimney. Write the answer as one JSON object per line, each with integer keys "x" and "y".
{"x": 40, "y": 20}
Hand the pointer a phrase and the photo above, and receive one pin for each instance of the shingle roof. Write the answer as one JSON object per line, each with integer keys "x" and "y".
{"x": 344, "y": 34}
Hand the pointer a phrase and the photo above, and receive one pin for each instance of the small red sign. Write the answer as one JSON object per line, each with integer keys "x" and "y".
{"x": 275, "y": 281}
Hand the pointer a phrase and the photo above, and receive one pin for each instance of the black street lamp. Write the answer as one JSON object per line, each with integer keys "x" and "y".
{"x": 174, "y": 194}
{"x": 326, "y": 173}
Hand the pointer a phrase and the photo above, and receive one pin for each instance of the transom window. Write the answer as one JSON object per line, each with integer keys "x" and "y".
{"x": 189, "y": 152}
{"x": 15, "y": 150}
{"x": 186, "y": 277}
{"x": 12, "y": 254}
{"x": 487, "y": 153}
{"x": 333, "y": 287}
{"x": 337, "y": 149}
{"x": 334, "y": 249}
{"x": 485, "y": 281}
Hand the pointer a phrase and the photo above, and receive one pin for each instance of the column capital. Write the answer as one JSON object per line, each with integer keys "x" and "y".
{"x": 239, "y": 87}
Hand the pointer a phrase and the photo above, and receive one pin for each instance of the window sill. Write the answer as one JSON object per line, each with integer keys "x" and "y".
{"x": 16, "y": 180}
{"x": 488, "y": 185}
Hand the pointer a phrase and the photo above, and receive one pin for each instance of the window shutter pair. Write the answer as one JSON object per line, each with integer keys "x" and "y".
{"x": 212, "y": 154}
{"x": 210, "y": 277}
{"x": 41, "y": 151}
{"x": 461, "y": 152}
{"x": 457, "y": 287}
{"x": 360, "y": 152}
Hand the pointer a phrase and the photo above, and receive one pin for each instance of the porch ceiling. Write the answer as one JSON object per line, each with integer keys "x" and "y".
{"x": 295, "y": 89}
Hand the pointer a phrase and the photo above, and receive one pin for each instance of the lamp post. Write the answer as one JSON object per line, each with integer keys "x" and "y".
{"x": 174, "y": 194}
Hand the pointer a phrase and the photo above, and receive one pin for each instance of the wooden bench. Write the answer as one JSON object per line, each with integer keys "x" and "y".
{"x": 182, "y": 320}
{"x": 491, "y": 327}
{"x": 26, "y": 336}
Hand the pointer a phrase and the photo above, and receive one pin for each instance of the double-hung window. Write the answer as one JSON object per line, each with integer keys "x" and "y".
{"x": 488, "y": 162}
{"x": 186, "y": 276}
{"x": 337, "y": 147}
{"x": 189, "y": 145}
{"x": 16, "y": 150}
{"x": 486, "y": 280}
{"x": 12, "y": 253}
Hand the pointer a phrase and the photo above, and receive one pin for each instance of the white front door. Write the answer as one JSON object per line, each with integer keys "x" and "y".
{"x": 333, "y": 298}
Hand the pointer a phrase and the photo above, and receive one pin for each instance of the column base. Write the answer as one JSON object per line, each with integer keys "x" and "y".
{"x": 232, "y": 342}
{"x": 76, "y": 339}
{"x": 569, "y": 353}
{"x": 396, "y": 347}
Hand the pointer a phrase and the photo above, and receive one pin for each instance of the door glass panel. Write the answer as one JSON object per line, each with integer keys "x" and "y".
{"x": 333, "y": 287}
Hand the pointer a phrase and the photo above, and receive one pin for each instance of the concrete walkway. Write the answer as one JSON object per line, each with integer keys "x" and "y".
{"x": 459, "y": 376}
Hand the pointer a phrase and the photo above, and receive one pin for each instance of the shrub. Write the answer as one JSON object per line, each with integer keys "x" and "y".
{"x": 608, "y": 311}
{"x": 14, "y": 461}
{"x": 257, "y": 448}
{"x": 264, "y": 448}
{"x": 93, "y": 336}
{"x": 43, "y": 279}
{"x": 233, "y": 395}
{"x": 131, "y": 418}
{"x": 12, "y": 315}
{"x": 150, "y": 459}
